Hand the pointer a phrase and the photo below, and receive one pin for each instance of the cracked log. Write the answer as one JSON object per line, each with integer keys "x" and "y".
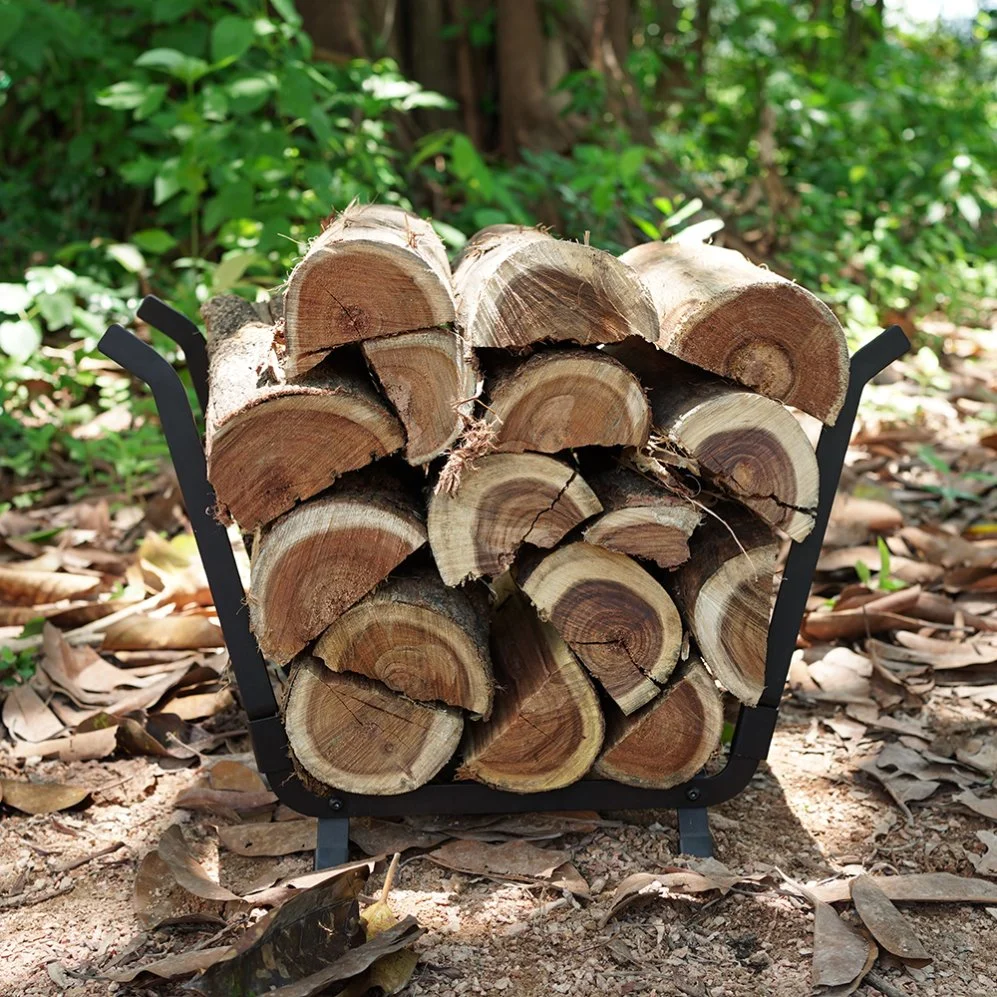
{"x": 751, "y": 446}
{"x": 419, "y": 638}
{"x": 724, "y": 592}
{"x": 518, "y": 286}
{"x": 618, "y": 620}
{"x": 722, "y": 313}
{"x": 375, "y": 271}
{"x": 547, "y": 727}
{"x": 430, "y": 379}
{"x": 322, "y": 557}
{"x": 641, "y": 518}
{"x": 352, "y": 734}
{"x": 562, "y": 399}
{"x": 270, "y": 443}
{"x": 669, "y": 740}
{"x": 502, "y": 502}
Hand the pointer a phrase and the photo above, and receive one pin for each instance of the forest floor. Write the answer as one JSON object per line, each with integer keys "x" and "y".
{"x": 883, "y": 762}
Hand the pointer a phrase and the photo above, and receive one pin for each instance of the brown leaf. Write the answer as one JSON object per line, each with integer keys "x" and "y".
{"x": 198, "y": 705}
{"x": 534, "y": 827}
{"x": 517, "y": 860}
{"x": 280, "y": 838}
{"x": 272, "y": 896}
{"x": 234, "y": 776}
{"x": 186, "y": 870}
{"x": 842, "y": 675}
{"x": 649, "y": 885}
{"x": 74, "y": 748}
{"x": 176, "y": 565}
{"x": 182, "y": 633}
{"x": 841, "y": 954}
{"x": 918, "y": 649}
{"x": 986, "y": 864}
{"x": 40, "y": 797}
{"x": 26, "y": 716}
{"x": 985, "y": 808}
{"x": 384, "y": 837}
{"x": 25, "y": 587}
{"x": 886, "y": 924}
{"x": 918, "y": 887}
{"x": 159, "y": 899}
{"x": 223, "y": 800}
{"x": 172, "y": 966}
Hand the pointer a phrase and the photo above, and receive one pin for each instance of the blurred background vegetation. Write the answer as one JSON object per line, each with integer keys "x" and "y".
{"x": 189, "y": 147}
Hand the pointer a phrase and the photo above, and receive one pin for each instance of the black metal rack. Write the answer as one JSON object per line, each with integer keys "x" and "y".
{"x": 753, "y": 730}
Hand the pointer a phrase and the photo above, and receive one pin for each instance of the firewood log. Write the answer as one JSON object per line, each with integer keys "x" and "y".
{"x": 547, "y": 726}
{"x": 270, "y": 443}
{"x": 374, "y": 271}
{"x": 618, "y": 620}
{"x": 502, "y": 502}
{"x": 322, "y": 557}
{"x": 517, "y": 286}
{"x": 561, "y": 399}
{"x": 668, "y": 741}
{"x": 724, "y": 314}
{"x": 724, "y": 592}
{"x": 356, "y": 735}
{"x": 419, "y": 638}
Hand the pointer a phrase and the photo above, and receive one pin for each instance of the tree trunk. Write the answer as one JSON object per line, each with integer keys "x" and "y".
{"x": 334, "y": 28}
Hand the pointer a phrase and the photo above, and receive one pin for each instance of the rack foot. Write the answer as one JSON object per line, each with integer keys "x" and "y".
{"x": 694, "y": 832}
{"x": 333, "y": 847}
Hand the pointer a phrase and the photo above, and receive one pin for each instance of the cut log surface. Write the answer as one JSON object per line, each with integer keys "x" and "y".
{"x": 563, "y": 399}
{"x": 430, "y": 379}
{"x": 751, "y": 446}
{"x": 504, "y": 501}
{"x": 517, "y": 286}
{"x": 670, "y": 739}
{"x": 357, "y": 736}
{"x": 725, "y": 593}
{"x": 547, "y": 727}
{"x": 724, "y": 314}
{"x": 618, "y": 620}
{"x": 375, "y": 271}
{"x": 321, "y": 558}
{"x": 419, "y": 638}
{"x": 269, "y": 443}
{"x": 642, "y": 518}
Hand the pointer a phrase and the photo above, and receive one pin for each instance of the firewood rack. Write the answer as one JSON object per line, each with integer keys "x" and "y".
{"x": 752, "y": 732}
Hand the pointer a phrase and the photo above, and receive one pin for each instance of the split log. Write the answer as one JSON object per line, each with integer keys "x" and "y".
{"x": 618, "y": 620}
{"x": 321, "y": 558}
{"x": 419, "y": 638}
{"x": 269, "y": 443}
{"x": 642, "y": 518}
{"x": 517, "y": 286}
{"x": 376, "y": 270}
{"x": 356, "y": 735}
{"x": 504, "y": 501}
{"x": 724, "y": 314}
{"x": 725, "y": 594}
{"x": 751, "y": 446}
{"x": 547, "y": 727}
{"x": 670, "y": 739}
{"x": 562, "y": 399}
{"x": 430, "y": 379}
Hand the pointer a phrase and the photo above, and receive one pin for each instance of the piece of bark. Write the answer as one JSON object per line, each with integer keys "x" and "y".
{"x": 356, "y": 735}
{"x": 419, "y": 638}
{"x": 724, "y": 592}
{"x": 517, "y": 286}
{"x": 430, "y": 378}
{"x": 562, "y": 399}
{"x": 641, "y": 518}
{"x": 502, "y": 502}
{"x": 324, "y": 556}
{"x": 751, "y": 446}
{"x": 618, "y": 620}
{"x": 547, "y": 726}
{"x": 269, "y": 443}
{"x": 670, "y": 739}
{"x": 722, "y": 313}
{"x": 376, "y": 270}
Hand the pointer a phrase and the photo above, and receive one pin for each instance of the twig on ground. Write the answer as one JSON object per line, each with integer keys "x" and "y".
{"x": 38, "y": 897}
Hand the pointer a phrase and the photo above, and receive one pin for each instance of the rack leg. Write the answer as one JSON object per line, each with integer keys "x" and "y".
{"x": 694, "y": 832}
{"x": 333, "y": 847}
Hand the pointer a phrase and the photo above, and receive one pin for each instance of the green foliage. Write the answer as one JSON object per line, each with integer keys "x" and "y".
{"x": 16, "y": 667}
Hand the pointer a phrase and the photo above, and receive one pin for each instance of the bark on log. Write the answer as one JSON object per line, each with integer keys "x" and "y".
{"x": 375, "y": 271}
{"x": 430, "y": 379}
{"x": 670, "y": 739}
{"x": 419, "y": 638}
{"x": 562, "y": 399}
{"x": 269, "y": 443}
{"x": 618, "y": 620}
{"x": 517, "y": 286}
{"x": 642, "y": 518}
{"x": 357, "y": 736}
{"x": 724, "y": 592}
{"x": 321, "y": 558}
{"x": 547, "y": 727}
{"x": 504, "y": 501}
{"x": 722, "y": 313}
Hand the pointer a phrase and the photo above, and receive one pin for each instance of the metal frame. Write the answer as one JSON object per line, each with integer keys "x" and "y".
{"x": 753, "y": 730}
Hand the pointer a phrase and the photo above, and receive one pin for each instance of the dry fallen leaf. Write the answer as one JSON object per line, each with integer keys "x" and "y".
{"x": 985, "y": 864}
{"x": 886, "y": 924}
{"x": 26, "y": 587}
{"x": 172, "y": 966}
{"x": 917, "y": 887}
{"x": 139, "y": 632}
{"x": 74, "y": 748}
{"x": 26, "y": 716}
{"x": 40, "y": 797}
{"x": 276, "y": 838}
{"x": 649, "y": 885}
{"x": 273, "y": 896}
{"x": 186, "y": 870}
{"x": 224, "y": 801}
{"x": 236, "y": 777}
{"x": 985, "y": 808}
{"x": 379, "y": 837}
{"x": 159, "y": 899}
{"x": 842, "y": 956}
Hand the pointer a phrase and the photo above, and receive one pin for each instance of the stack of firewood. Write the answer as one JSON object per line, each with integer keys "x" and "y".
{"x": 515, "y": 521}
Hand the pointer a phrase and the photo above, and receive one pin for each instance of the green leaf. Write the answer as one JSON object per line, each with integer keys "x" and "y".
{"x": 14, "y": 298}
{"x": 128, "y": 256}
{"x": 167, "y": 182}
{"x": 165, "y": 11}
{"x": 123, "y": 96}
{"x": 464, "y": 158}
{"x": 229, "y": 271}
{"x": 287, "y": 11}
{"x": 863, "y": 571}
{"x": 251, "y": 92}
{"x": 630, "y": 163}
{"x": 698, "y": 231}
{"x": 686, "y": 211}
{"x": 154, "y": 240}
{"x": 884, "y": 560}
{"x": 19, "y": 339}
{"x": 453, "y": 237}
{"x": 969, "y": 208}
{"x": 231, "y": 37}
{"x": 11, "y": 19}
{"x": 176, "y": 64}
{"x": 56, "y": 309}
{"x": 648, "y": 228}
{"x": 664, "y": 205}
